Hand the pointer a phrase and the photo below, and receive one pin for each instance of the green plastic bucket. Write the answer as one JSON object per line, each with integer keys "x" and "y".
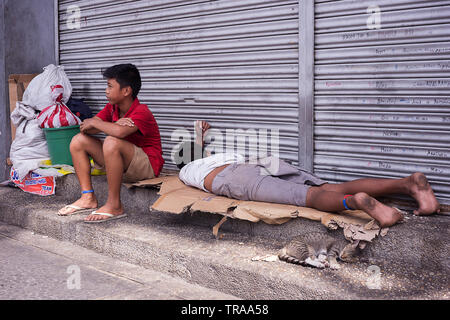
{"x": 58, "y": 141}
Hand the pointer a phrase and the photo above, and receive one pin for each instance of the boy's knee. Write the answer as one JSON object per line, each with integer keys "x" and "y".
{"x": 111, "y": 144}
{"x": 77, "y": 141}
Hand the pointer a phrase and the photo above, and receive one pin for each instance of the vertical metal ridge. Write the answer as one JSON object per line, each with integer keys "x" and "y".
{"x": 56, "y": 18}
{"x": 306, "y": 84}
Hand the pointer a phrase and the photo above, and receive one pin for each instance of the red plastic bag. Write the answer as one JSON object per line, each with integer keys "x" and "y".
{"x": 57, "y": 115}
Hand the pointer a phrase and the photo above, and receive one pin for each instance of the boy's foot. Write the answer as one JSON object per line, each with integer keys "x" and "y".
{"x": 110, "y": 210}
{"x": 107, "y": 216}
{"x": 85, "y": 203}
{"x": 384, "y": 215}
{"x": 421, "y": 191}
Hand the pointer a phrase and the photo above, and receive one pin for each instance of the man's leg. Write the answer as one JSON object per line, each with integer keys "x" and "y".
{"x": 244, "y": 182}
{"x": 118, "y": 155}
{"x": 81, "y": 147}
{"x": 332, "y": 201}
{"x": 416, "y": 186}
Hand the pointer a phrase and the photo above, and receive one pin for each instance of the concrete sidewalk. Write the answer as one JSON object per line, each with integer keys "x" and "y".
{"x": 41, "y": 268}
{"x": 411, "y": 262}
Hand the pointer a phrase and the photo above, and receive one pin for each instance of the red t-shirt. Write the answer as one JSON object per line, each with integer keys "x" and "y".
{"x": 147, "y": 137}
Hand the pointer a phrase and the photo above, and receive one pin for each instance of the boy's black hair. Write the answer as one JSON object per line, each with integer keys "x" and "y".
{"x": 193, "y": 151}
{"x": 126, "y": 75}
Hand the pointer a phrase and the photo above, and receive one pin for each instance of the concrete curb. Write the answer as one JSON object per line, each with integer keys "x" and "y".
{"x": 420, "y": 242}
{"x": 183, "y": 246}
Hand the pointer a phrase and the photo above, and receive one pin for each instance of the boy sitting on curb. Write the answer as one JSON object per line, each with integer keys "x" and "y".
{"x": 131, "y": 152}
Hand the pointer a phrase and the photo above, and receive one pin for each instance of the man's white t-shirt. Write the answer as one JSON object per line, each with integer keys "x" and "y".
{"x": 194, "y": 173}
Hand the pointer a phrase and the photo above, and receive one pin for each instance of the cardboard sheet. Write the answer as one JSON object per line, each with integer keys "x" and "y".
{"x": 177, "y": 198}
{"x": 17, "y": 84}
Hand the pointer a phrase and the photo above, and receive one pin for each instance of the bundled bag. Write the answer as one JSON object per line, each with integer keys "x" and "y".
{"x": 38, "y": 93}
{"x": 29, "y": 147}
{"x": 58, "y": 114}
{"x": 79, "y": 108}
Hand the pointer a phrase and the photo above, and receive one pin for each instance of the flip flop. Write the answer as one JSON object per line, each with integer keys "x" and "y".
{"x": 76, "y": 208}
{"x": 111, "y": 217}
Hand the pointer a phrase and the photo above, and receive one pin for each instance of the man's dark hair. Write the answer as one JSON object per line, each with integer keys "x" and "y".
{"x": 126, "y": 75}
{"x": 187, "y": 152}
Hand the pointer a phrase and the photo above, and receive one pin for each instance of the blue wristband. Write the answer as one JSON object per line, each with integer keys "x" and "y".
{"x": 87, "y": 191}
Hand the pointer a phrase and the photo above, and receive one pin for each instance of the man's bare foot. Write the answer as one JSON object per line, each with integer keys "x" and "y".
{"x": 384, "y": 215}
{"x": 87, "y": 201}
{"x": 114, "y": 210}
{"x": 421, "y": 191}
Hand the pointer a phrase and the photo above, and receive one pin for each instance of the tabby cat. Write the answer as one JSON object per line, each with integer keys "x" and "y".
{"x": 319, "y": 250}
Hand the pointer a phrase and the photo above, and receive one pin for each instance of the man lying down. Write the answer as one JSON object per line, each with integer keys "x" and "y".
{"x": 273, "y": 180}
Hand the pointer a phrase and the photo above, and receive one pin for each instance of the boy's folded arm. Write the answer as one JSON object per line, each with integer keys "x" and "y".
{"x": 90, "y": 130}
{"x": 111, "y": 129}
{"x": 115, "y": 130}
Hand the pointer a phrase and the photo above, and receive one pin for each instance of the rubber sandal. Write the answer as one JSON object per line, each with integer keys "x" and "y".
{"x": 76, "y": 208}
{"x": 111, "y": 217}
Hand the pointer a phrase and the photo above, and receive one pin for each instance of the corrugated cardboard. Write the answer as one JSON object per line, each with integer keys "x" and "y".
{"x": 17, "y": 84}
{"x": 176, "y": 197}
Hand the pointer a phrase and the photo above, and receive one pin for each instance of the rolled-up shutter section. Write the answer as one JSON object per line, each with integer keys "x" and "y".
{"x": 233, "y": 63}
{"x": 382, "y": 96}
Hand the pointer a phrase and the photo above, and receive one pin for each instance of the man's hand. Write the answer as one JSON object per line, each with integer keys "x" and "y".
{"x": 200, "y": 129}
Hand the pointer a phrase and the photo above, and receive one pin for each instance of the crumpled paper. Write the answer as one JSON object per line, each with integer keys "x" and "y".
{"x": 266, "y": 258}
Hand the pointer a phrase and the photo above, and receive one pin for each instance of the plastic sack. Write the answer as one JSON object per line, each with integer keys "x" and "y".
{"x": 29, "y": 147}
{"x": 34, "y": 183}
{"x": 58, "y": 114}
{"x": 38, "y": 93}
{"x": 47, "y": 169}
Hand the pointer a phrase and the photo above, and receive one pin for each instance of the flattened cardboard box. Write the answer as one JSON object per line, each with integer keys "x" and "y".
{"x": 17, "y": 85}
{"x": 177, "y": 198}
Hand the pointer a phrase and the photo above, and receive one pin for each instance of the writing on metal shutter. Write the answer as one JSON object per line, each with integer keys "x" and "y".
{"x": 382, "y": 102}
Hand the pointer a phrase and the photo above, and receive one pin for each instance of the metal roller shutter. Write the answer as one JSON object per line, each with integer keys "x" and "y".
{"x": 382, "y": 96}
{"x": 233, "y": 63}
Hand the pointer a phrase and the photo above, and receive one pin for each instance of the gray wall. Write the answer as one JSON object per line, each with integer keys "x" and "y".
{"x": 3, "y": 96}
{"x": 27, "y": 44}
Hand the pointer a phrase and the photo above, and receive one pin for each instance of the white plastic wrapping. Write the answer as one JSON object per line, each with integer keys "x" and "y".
{"x": 29, "y": 147}
{"x": 39, "y": 93}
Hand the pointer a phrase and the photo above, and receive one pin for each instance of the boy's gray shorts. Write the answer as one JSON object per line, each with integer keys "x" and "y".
{"x": 246, "y": 182}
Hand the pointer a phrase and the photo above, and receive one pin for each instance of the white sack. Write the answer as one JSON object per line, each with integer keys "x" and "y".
{"x": 39, "y": 93}
{"x": 29, "y": 147}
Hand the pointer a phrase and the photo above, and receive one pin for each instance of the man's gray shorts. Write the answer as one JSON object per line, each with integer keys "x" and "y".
{"x": 251, "y": 182}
